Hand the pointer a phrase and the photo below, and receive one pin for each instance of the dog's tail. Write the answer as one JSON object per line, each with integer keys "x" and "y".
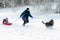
{"x": 43, "y": 22}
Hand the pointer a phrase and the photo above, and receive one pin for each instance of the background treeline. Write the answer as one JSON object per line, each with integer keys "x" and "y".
{"x": 14, "y": 3}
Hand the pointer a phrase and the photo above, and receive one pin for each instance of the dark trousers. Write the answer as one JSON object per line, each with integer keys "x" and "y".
{"x": 25, "y": 21}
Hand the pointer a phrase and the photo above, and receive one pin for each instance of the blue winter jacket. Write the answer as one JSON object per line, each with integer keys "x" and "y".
{"x": 25, "y": 15}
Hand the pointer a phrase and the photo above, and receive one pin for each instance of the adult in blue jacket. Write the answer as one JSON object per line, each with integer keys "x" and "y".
{"x": 25, "y": 15}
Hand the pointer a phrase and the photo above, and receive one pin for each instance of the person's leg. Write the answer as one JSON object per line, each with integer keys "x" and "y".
{"x": 27, "y": 21}
{"x": 24, "y": 23}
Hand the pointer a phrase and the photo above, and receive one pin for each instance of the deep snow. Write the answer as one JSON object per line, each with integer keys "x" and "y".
{"x": 34, "y": 30}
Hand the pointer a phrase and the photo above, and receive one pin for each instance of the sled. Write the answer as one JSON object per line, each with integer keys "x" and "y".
{"x": 9, "y": 24}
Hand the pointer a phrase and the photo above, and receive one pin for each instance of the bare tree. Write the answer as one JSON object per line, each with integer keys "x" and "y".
{"x": 14, "y": 3}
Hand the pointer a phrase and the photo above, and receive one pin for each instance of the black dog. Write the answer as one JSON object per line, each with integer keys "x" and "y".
{"x": 48, "y": 24}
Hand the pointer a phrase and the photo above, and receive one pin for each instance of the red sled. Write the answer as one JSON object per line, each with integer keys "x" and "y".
{"x": 5, "y": 22}
{"x": 8, "y": 24}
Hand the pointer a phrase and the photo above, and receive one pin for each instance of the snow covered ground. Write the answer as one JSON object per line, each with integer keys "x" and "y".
{"x": 34, "y": 30}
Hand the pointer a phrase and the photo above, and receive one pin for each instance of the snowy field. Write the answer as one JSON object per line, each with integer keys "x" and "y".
{"x": 34, "y": 30}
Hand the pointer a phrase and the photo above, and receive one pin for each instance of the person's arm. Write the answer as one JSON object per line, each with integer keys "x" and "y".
{"x": 30, "y": 15}
{"x": 22, "y": 14}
